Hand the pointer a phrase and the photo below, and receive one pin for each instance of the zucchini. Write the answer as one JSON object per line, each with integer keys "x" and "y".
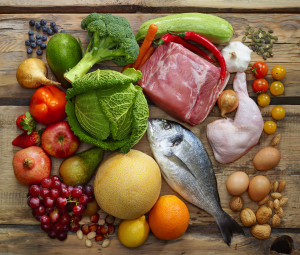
{"x": 214, "y": 28}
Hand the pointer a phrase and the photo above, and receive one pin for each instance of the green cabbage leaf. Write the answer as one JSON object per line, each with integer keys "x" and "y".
{"x": 105, "y": 109}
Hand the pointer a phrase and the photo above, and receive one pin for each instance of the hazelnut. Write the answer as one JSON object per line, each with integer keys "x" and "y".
{"x": 236, "y": 203}
{"x": 263, "y": 214}
{"x": 248, "y": 217}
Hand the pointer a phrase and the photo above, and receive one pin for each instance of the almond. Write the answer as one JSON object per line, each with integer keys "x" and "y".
{"x": 105, "y": 243}
{"x": 276, "y": 195}
{"x": 261, "y": 231}
{"x": 79, "y": 234}
{"x": 263, "y": 201}
{"x": 275, "y": 220}
{"x": 263, "y": 214}
{"x": 281, "y": 187}
{"x": 275, "y": 186}
{"x": 276, "y": 140}
{"x": 91, "y": 235}
{"x": 248, "y": 217}
{"x": 279, "y": 212}
{"x": 236, "y": 203}
{"x": 276, "y": 204}
{"x": 271, "y": 204}
{"x": 283, "y": 201}
{"x": 88, "y": 243}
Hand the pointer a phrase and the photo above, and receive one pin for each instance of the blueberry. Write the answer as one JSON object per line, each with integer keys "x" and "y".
{"x": 43, "y": 46}
{"x": 39, "y": 52}
{"x": 44, "y": 38}
{"x": 52, "y": 24}
{"x": 45, "y": 28}
{"x": 37, "y": 25}
{"x": 30, "y": 32}
{"x": 31, "y": 38}
{"x": 33, "y": 45}
{"x": 29, "y": 51}
{"x": 55, "y": 29}
{"x": 39, "y": 42}
{"x": 43, "y": 22}
{"x": 49, "y": 31}
{"x": 31, "y": 23}
{"x": 27, "y": 43}
{"x": 63, "y": 31}
{"x": 38, "y": 36}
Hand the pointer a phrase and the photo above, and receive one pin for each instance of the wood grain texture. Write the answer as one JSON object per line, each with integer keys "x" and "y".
{"x": 20, "y": 240}
{"x": 13, "y": 195}
{"x": 14, "y": 33}
{"x": 71, "y": 6}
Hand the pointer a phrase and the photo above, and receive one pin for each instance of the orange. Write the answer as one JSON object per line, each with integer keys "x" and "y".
{"x": 169, "y": 218}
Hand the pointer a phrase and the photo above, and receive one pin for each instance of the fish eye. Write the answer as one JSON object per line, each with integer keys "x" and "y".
{"x": 177, "y": 141}
{"x": 167, "y": 125}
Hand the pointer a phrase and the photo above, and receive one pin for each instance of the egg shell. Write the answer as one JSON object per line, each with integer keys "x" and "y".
{"x": 237, "y": 183}
{"x": 259, "y": 187}
{"x": 266, "y": 159}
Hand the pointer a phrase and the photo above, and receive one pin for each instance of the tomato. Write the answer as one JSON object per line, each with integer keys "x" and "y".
{"x": 47, "y": 105}
{"x": 276, "y": 88}
{"x": 278, "y": 72}
{"x": 263, "y": 100}
{"x": 278, "y": 113}
{"x": 260, "y": 85}
{"x": 270, "y": 127}
{"x": 260, "y": 69}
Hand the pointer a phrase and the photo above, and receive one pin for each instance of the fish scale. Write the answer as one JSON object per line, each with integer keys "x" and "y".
{"x": 187, "y": 169}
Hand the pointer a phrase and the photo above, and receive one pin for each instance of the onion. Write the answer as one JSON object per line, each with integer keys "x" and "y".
{"x": 227, "y": 102}
{"x": 32, "y": 74}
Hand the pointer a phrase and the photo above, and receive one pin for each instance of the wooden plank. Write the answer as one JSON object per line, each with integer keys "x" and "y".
{"x": 197, "y": 240}
{"x": 69, "y": 6}
{"x": 13, "y": 194}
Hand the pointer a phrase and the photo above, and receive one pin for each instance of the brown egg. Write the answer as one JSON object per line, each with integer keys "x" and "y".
{"x": 237, "y": 183}
{"x": 259, "y": 187}
{"x": 266, "y": 159}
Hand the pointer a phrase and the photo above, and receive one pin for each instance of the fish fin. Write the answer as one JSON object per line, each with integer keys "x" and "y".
{"x": 228, "y": 226}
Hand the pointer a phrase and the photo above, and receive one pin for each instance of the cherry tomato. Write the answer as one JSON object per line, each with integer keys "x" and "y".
{"x": 278, "y": 72}
{"x": 260, "y": 85}
{"x": 270, "y": 127}
{"x": 276, "y": 88}
{"x": 260, "y": 69}
{"x": 263, "y": 100}
{"x": 278, "y": 113}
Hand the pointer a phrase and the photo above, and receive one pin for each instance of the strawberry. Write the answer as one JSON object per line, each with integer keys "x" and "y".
{"x": 26, "y": 123}
{"x": 24, "y": 140}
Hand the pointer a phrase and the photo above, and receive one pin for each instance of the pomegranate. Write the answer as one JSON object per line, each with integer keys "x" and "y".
{"x": 31, "y": 165}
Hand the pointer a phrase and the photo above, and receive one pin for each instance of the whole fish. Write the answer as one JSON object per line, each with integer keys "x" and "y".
{"x": 187, "y": 168}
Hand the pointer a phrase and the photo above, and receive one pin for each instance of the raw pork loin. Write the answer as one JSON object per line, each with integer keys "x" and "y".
{"x": 180, "y": 82}
{"x": 231, "y": 139}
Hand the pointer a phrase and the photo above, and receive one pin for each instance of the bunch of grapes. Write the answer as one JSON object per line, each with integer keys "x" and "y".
{"x": 59, "y": 207}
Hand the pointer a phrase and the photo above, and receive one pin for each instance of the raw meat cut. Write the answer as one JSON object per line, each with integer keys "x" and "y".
{"x": 231, "y": 139}
{"x": 182, "y": 83}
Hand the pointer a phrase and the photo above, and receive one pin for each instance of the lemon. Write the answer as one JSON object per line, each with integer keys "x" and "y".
{"x": 133, "y": 233}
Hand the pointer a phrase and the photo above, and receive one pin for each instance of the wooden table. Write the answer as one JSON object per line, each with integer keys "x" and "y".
{"x": 19, "y": 231}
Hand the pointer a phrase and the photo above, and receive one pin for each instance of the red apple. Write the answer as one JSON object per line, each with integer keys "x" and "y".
{"x": 59, "y": 141}
{"x": 31, "y": 165}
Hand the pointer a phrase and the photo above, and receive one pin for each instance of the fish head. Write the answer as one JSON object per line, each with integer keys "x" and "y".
{"x": 164, "y": 135}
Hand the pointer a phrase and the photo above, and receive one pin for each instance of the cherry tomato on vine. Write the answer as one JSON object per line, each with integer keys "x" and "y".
{"x": 276, "y": 88}
{"x": 270, "y": 127}
{"x": 278, "y": 113}
{"x": 260, "y": 69}
{"x": 278, "y": 72}
{"x": 260, "y": 85}
{"x": 263, "y": 100}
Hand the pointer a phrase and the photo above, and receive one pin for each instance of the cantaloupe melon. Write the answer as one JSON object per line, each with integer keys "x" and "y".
{"x": 127, "y": 185}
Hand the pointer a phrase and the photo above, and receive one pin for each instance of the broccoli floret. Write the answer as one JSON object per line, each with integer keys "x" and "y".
{"x": 110, "y": 38}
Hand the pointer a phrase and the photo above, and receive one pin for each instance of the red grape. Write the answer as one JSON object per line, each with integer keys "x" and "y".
{"x": 88, "y": 190}
{"x": 64, "y": 191}
{"x": 54, "y": 216}
{"x": 93, "y": 227}
{"x": 55, "y": 184}
{"x": 63, "y": 185}
{"x": 74, "y": 226}
{"x": 61, "y": 202}
{"x": 66, "y": 227}
{"x": 76, "y": 192}
{"x": 58, "y": 227}
{"x": 83, "y": 199}
{"x": 48, "y": 202}
{"x": 85, "y": 229}
{"x": 45, "y": 219}
{"x": 45, "y": 192}
{"x": 99, "y": 238}
{"x": 55, "y": 178}
{"x": 34, "y": 190}
{"x": 62, "y": 236}
{"x": 34, "y": 202}
{"x": 40, "y": 211}
{"x": 46, "y": 182}
{"x": 79, "y": 186}
{"x": 65, "y": 219}
{"x": 95, "y": 218}
{"x": 54, "y": 193}
{"x": 52, "y": 234}
{"x": 70, "y": 188}
{"x": 78, "y": 209}
{"x": 76, "y": 218}
{"x": 46, "y": 226}
{"x": 49, "y": 210}
{"x": 111, "y": 229}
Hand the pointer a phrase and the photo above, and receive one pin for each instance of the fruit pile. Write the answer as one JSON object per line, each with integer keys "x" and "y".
{"x": 59, "y": 207}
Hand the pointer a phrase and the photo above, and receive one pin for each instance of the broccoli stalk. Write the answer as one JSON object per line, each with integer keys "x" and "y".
{"x": 111, "y": 38}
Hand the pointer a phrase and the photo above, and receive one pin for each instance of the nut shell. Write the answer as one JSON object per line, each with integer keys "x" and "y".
{"x": 248, "y": 217}
{"x": 263, "y": 214}
{"x": 236, "y": 203}
{"x": 275, "y": 220}
{"x": 261, "y": 231}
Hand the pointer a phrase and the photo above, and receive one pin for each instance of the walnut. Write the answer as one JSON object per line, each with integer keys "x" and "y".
{"x": 236, "y": 203}
{"x": 263, "y": 214}
{"x": 248, "y": 217}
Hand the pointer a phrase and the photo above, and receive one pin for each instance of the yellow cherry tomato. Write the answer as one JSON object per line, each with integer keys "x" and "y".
{"x": 278, "y": 72}
{"x": 278, "y": 113}
{"x": 263, "y": 99}
{"x": 276, "y": 88}
{"x": 270, "y": 127}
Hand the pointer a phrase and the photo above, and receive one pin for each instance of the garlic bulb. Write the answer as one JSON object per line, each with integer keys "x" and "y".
{"x": 237, "y": 57}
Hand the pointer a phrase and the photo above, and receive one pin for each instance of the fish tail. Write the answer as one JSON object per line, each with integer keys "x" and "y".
{"x": 228, "y": 226}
